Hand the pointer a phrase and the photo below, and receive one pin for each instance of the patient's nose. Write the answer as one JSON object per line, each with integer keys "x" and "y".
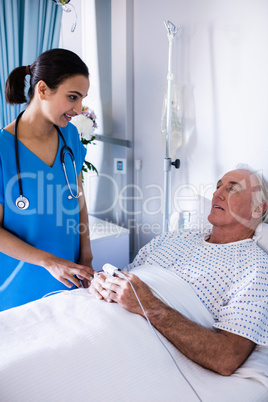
{"x": 219, "y": 193}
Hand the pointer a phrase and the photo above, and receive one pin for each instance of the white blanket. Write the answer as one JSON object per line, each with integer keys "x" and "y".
{"x": 71, "y": 346}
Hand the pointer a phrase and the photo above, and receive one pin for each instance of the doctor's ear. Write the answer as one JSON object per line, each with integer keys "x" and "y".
{"x": 42, "y": 89}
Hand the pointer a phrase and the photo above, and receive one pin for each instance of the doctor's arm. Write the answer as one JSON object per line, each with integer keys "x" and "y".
{"x": 216, "y": 350}
{"x": 85, "y": 257}
{"x": 63, "y": 270}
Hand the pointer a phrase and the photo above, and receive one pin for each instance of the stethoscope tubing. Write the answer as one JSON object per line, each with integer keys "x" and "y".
{"x": 17, "y": 152}
{"x": 22, "y": 202}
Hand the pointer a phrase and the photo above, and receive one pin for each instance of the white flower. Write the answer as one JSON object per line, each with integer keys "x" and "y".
{"x": 85, "y": 124}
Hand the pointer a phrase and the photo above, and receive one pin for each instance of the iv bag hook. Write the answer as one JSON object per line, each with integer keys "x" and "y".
{"x": 171, "y": 28}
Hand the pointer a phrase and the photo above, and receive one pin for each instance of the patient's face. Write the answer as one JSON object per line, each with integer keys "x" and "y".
{"x": 232, "y": 203}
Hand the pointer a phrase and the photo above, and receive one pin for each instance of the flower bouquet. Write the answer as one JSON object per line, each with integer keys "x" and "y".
{"x": 86, "y": 125}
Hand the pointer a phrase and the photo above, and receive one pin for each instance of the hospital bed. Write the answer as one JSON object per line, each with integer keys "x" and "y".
{"x": 70, "y": 346}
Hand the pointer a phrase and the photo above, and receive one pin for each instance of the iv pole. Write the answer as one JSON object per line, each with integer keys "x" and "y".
{"x": 171, "y": 32}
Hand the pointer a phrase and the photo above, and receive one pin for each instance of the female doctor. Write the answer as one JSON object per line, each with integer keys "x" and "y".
{"x": 44, "y": 235}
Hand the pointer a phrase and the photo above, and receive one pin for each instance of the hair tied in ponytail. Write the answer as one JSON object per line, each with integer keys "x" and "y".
{"x": 27, "y": 70}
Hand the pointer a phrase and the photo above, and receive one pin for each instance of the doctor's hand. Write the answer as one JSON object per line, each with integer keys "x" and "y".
{"x": 66, "y": 271}
{"x": 119, "y": 290}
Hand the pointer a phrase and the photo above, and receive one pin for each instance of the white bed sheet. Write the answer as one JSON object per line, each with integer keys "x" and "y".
{"x": 73, "y": 347}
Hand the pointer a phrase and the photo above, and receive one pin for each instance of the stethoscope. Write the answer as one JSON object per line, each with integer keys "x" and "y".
{"x": 22, "y": 202}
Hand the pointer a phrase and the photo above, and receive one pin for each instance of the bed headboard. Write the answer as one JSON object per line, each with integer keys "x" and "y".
{"x": 261, "y": 235}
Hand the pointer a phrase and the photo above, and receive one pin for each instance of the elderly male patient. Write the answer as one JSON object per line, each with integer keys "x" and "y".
{"x": 225, "y": 267}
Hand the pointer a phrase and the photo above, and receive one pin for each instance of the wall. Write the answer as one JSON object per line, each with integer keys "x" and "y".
{"x": 220, "y": 64}
{"x": 105, "y": 44}
{"x": 72, "y": 40}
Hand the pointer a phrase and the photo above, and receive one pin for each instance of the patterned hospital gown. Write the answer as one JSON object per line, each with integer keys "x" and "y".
{"x": 230, "y": 279}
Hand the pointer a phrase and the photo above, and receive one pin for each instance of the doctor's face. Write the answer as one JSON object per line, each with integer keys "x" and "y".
{"x": 66, "y": 101}
{"x": 234, "y": 201}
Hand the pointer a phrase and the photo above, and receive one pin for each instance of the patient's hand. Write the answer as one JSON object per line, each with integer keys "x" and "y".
{"x": 220, "y": 351}
{"x": 119, "y": 290}
{"x": 96, "y": 288}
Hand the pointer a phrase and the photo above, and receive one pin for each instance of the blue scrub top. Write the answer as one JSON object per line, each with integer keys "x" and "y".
{"x": 51, "y": 222}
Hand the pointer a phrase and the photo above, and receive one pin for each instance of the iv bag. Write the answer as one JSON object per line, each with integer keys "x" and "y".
{"x": 176, "y": 121}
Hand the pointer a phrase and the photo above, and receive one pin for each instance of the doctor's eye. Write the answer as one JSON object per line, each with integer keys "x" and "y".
{"x": 73, "y": 97}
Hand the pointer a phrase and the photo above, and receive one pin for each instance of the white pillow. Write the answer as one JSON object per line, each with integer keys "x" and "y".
{"x": 261, "y": 236}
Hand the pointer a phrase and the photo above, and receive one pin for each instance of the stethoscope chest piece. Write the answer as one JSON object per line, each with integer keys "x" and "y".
{"x": 22, "y": 202}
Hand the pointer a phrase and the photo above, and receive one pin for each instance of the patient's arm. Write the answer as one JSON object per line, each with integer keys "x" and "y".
{"x": 220, "y": 351}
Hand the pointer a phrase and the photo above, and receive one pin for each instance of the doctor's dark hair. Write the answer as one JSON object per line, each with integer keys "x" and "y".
{"x": 53, "y": 67}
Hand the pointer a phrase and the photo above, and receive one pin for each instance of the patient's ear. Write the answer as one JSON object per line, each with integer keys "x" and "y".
{"x": 265, "y": 206}
{"x": 259, "y": 210}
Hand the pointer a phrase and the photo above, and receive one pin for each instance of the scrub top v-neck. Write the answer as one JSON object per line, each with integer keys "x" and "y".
{"x": 51, "y": 222}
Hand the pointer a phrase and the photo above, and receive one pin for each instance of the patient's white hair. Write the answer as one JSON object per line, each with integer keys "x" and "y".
{"x": 263, "y": 184}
